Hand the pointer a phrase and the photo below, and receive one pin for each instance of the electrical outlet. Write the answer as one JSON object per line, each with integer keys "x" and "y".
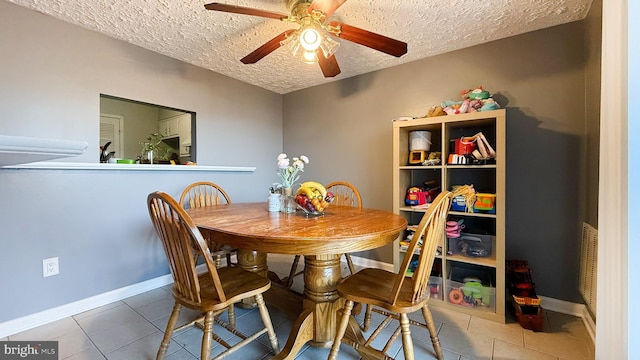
{"x": 50, "y": 267}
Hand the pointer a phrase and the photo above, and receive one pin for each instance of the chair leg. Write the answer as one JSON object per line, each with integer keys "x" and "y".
{"x": 367, "y": 318}
{"x": 292, "y": 272}
{"x": 218, "y": 261}
{"x": 231, "y": 312}
{"x": 352, "y": 268}
{"x": 171, "y": 324}
{"x": 407, "y": 343}
{"x": 207, "y": 336}
{"x": 428, "y": 319}
{"x": 342, "y": 327}
{"x": 266, "y": 319}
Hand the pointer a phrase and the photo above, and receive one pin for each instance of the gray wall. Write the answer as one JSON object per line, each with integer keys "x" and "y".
{"x": 539, "y": 77}
{"x": 96, "y": 222}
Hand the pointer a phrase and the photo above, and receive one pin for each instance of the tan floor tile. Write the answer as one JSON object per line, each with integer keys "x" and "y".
{"x": 147, "y": 298}
{"x": 156, "y": 310}
{"x": 117, "y": 336}
{"x": 108, "y": 318}
{"x": 47, "y": 331}
{"x": 448, "y": 355}
{"x": 503, "y": 350}
{"x": 143, "y": 348}
{"x": 88, "y": 354}
{"x": 446, "y": 316}
{"x": 558, "y": 344}
{"x": 98, "y": 310}
{"x": 512, "y": 332}
{"x": 73, "y": 343}
{"x": 466, "y": 343}
{"x": 181, "y": 354}
{"x": 568, "y": 324}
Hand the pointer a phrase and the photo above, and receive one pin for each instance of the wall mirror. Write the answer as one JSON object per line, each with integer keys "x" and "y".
{"x": 145, "y": 133}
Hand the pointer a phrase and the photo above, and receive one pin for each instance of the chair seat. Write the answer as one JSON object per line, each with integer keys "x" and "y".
{"x": 236, "y": 283}
{"x": 373, "y": 286}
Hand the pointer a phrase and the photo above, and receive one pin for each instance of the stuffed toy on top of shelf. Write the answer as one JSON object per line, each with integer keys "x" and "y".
{"x": 472, "y": 100}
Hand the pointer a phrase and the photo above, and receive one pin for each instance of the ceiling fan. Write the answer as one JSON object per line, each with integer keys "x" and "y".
{"x": 314, "y": 35}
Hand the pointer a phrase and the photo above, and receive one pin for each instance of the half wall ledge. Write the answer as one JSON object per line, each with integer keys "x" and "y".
{"x": 21, "y": 149}
{"x": 51, "y": 165}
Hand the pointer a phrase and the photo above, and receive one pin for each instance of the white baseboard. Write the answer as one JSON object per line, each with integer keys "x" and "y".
{"x": 15, "y": 326}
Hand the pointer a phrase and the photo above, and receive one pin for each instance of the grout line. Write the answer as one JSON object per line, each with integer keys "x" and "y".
{"x": 88, "y": 337}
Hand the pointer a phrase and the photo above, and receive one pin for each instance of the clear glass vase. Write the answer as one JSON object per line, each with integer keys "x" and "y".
{"x": 288, "y": 201}
{"x": 149, "y": 157}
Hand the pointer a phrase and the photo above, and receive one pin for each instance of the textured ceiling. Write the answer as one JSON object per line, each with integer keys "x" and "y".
{"x": 217, "y": 41}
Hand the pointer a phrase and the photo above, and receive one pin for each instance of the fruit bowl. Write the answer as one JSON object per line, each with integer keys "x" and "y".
{"x": 312, "y": 198}
{"x": 308, "y": 212}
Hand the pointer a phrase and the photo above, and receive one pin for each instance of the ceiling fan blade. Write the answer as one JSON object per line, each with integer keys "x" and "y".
{"x": 244, "y": 11}
{"x": 367, "y": 38}
{"x": 266, "y": 49}
{"x": 328, "y": 7}
{"x": 329, "y": 66}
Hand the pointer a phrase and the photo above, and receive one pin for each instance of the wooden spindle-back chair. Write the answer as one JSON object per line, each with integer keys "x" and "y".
{"x": 394, "y": 294}
{"x": 210, "y": 292}
{"x": 203, "y": 194}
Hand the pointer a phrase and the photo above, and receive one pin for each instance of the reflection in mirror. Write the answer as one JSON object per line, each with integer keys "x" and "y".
{"x": 145, "y": 133}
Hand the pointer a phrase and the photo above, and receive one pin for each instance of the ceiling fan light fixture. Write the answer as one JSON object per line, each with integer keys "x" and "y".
{"x": 292, "y": 43}
{"x": 309, "y": 57}
{"x": 328, "y": 46}
{"x": 310, "y": 38}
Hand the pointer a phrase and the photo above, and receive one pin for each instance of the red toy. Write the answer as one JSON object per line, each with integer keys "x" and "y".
{"x": 526, "y": 303}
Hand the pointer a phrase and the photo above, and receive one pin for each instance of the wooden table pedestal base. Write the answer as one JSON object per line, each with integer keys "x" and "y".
{"x": 317, "y": 323}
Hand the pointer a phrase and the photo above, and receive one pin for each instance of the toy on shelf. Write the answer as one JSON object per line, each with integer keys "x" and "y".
{"x": 471, "y": 294}
{"x": 526, "y": 303}
{"x": 453, "y": 228}
{"x": 477, "y": 146}
{"x": 432, "y": 159}
{"x": 472, "y": 100}
{"x": 422, "y": 195}
{"x": 435, "y": 110}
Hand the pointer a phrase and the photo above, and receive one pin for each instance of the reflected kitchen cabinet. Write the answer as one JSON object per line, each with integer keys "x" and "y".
{"x": 184, "y": 131}
{"x": 178, "y": 127}
{"x": 169, "y": 127}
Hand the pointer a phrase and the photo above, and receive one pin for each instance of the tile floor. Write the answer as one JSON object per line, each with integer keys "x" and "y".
{"x": 131, "y": 329}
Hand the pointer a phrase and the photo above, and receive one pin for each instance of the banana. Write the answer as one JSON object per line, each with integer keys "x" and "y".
{"x": 317, "y": 186}
{"x": 308, "y": 191}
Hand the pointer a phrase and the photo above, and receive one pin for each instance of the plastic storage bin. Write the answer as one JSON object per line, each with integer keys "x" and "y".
{"x": 461, "y": 274}
{"x": 472, "y": 245}
{"x": 471, "y": 294}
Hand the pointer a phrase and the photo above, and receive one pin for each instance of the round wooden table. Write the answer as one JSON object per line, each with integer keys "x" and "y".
{"x": 322, "y": 240}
